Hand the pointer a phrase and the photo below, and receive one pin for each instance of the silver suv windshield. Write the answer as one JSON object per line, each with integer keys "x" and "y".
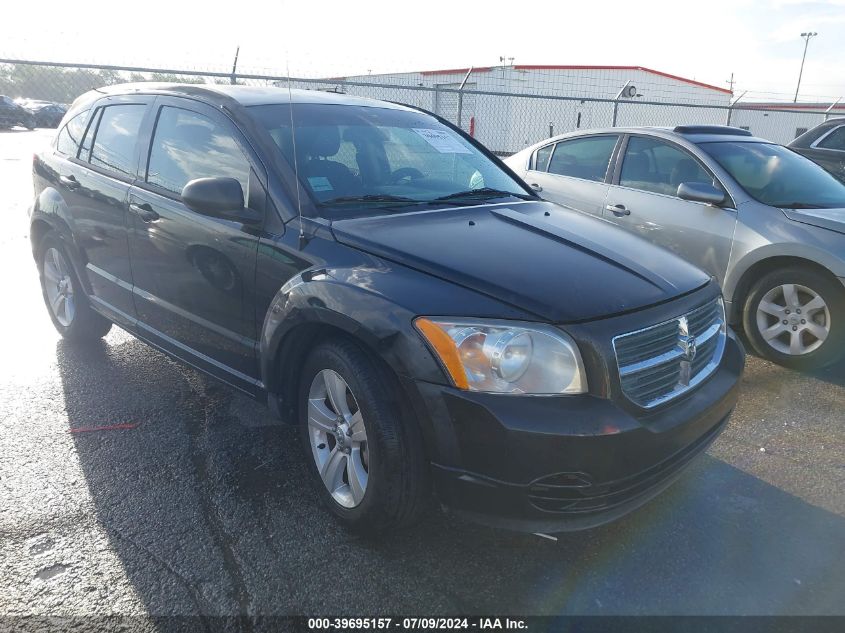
{"x": 777, "y": 176}
{"x": 353, "y": 157}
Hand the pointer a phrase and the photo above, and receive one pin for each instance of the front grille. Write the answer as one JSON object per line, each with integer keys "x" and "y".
{"x": 663, "y": 361}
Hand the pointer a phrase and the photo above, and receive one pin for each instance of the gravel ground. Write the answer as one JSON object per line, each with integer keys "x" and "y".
{"x": 203, "y": 507}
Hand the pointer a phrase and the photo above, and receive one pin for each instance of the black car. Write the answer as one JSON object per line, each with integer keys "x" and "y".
{"x": 824, "y": 144}
{"x": 47, "y": 114}
{"x": 383, "y": 281}
{"x": 12, "y": 115}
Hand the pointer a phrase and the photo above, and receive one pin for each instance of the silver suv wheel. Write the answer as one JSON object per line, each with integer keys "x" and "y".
{"x": 338, "y": 438}
{"x": 793, "y": 319}
{"x": 59, "y": 287}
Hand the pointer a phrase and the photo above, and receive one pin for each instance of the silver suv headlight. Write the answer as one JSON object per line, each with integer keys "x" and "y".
{"x": 505, "y": 356}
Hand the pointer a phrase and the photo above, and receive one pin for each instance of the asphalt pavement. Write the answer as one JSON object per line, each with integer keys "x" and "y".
{"x": 198, "y": 503}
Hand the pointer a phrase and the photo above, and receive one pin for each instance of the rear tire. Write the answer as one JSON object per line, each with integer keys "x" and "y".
{"x": 796, "y": 317}
{"x": 371, "y": 439}
{"x": 64, "y": 296}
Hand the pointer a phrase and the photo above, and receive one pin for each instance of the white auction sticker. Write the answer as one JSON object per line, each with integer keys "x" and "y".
{"x": 442, "y": 141}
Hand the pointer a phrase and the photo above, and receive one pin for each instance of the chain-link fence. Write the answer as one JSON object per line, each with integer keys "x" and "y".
{"x": 506, "y": 108}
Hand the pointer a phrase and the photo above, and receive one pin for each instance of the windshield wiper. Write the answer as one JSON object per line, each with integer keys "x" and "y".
{"x": 484, "y": 192}
{"x": 376, "y": 197}
{"x": 799, "y": 205}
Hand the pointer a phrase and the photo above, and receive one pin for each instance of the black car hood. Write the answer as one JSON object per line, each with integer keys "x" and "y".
{"x": 831, "y": 219}
{"x": 561, "y": 265}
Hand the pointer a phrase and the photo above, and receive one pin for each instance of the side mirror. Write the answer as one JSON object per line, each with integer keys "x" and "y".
{"x": 219, "y": 198}
{"x": 701, "y": 192}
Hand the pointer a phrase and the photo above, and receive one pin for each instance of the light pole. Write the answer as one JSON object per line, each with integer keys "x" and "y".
{"x": 806, "y": 37}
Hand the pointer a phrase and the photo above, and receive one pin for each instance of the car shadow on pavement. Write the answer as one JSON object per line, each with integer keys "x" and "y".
{"x": 206, "y": 503}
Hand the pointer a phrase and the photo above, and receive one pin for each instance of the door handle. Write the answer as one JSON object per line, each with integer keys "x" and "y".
{"x": 69, "y": 181}
{"x": 144, "y": 211}
{"x": 618, "y": 209}
{"x": 536, "y": 187}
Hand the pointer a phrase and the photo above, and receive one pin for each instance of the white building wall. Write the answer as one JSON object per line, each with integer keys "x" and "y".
{"x": 507, "y": 123}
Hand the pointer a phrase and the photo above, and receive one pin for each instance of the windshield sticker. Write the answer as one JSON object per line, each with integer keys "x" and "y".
{"x": 442, "y": 141}
{"x": 319, "y": 183}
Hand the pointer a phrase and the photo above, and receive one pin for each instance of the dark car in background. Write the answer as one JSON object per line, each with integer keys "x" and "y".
{"x": 45, "y": 113}
{"x": 383, "y": 281}
{"x": 825, "y": 145}
{"x": 12, "y": 114}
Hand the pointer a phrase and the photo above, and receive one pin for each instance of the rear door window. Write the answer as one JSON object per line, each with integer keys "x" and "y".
{"x": 116, "y": 136}
{"x": 585, "y": 158}
{"x": 188, "y": 145}
{"x": 658, "y": 167}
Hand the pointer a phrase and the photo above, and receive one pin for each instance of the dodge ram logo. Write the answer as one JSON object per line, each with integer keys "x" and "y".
{"x": 686, "y": 342}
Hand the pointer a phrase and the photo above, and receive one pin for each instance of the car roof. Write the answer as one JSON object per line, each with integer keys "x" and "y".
{"x": 695, "y": 135}
{"x": 244, "y": 95}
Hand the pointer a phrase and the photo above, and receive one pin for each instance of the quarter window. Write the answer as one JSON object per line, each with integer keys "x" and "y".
{"x": 117, "y": 133}
{"x": 67, "y": 142}
{"x": 651, "y": 165}
{"x": 585, "y": 158}
{"x": 834, "y": 140}
{"x": 542, "y": 156}
{"x": 188, "y": 145}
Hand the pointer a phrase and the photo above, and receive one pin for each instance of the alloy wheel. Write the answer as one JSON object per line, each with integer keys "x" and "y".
{"x": 59, "y": 287}
{"x": 338, "y": 438}
{"x": 793, "y": 319}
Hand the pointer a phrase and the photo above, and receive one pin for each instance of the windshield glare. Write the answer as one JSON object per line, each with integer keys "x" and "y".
{"x": 777, "y": 176}
{"x": 354, "y": 157}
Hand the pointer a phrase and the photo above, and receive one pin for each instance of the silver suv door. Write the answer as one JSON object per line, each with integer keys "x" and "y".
{"x": 643, "y": 199}
{"x": 574, "y": 172}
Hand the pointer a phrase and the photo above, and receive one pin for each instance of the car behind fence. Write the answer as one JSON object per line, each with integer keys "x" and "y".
{"x": 506, "y": 115}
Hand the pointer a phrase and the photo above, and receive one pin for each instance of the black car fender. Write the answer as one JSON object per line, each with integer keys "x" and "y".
{"x": 321, "y": 298}
{"x": 315, "y": 304}
{"x": 50, "y": 214}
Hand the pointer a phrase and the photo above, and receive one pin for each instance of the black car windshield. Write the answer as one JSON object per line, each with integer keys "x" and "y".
{"x": 777, "y": 176}
{"x": 353, "y": 158}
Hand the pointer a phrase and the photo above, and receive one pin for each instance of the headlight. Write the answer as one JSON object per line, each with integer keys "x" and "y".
{"x": 505, "y": 356}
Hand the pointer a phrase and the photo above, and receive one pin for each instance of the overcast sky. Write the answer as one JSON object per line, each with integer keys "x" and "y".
{"x": 758, "y": 40}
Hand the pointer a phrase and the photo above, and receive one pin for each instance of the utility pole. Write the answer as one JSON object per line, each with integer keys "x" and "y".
{"x": 731, "y": 83}
{"x": 235, "y": 66}
{"x": 806, "y": 37}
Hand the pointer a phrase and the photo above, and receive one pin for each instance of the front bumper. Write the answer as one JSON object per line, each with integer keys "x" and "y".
{"x": 552, "y": 464}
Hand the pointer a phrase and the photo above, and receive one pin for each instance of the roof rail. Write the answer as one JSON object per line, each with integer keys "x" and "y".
{"x": 711, "y": 129}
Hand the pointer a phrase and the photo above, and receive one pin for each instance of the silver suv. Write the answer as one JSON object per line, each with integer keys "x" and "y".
{"x": 768, "y": 223}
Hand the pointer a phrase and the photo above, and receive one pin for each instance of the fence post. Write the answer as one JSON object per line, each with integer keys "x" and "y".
{"x": 832, "y": 105}
{"x": 461, "y": 97}
{"x": 615, "y": 110}
{"x": 234, "y": 78}
{"x": 731, "y": 107}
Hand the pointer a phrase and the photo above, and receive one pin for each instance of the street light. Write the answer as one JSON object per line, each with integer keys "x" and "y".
{"x": 806, "y": 37}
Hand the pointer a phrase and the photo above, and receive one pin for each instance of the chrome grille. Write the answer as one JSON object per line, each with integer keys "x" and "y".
{"x": 663, "y": 361}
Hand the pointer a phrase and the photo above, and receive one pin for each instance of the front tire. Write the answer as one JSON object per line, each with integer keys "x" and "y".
{"x": 363, "y": 449}
{"x": 64, "y": 297}
{"x": 796, "y": 317}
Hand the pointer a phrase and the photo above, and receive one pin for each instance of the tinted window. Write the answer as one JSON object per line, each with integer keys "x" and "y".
{"x": 71, "y": 135}
{"x": 585, "y": 158}
{"x": 187, "y": 145}
{"x": 355, "y": 158}
{"x": 651, "y": 165}
{"x": 777, "y": 176}
{"x": 117, "y": 132}
{"x": 542, "y": 156}
{"x": 834, "y": 140}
